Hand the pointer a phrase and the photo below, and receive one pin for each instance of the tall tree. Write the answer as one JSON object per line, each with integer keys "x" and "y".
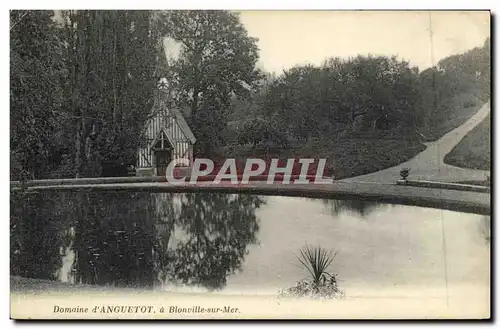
{"x": 37, "y": 73}
{"x": 217, "y": 61}
{"x": 112, "y": 59}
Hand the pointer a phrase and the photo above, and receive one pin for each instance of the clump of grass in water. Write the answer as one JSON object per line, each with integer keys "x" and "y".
{"x": 321, "y": 284}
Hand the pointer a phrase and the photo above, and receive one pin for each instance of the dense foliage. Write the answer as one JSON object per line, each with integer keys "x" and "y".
{"x": 217, "y": 62}
{"x": 37, "y": 76}
{"x": 83, "y": 84}
{"x": 89, "y": 77}
{"x": 368, "y": 97}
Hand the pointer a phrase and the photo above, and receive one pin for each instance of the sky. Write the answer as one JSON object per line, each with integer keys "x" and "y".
{"x": 289, "y": 38}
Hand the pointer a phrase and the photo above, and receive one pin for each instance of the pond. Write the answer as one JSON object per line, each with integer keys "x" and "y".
{"x": 245, "y": 244}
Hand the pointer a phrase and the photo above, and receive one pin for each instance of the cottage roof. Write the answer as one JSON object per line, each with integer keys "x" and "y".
{"x": 179, "y": 118}
{"x": 161, "y": 106}
{"x": 160, "y": 103}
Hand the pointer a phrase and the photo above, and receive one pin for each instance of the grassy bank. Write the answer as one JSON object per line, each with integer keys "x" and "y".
{"x": 452, "y": 115}
{"x": 474, "y": 151}
{"x": 345, "y": 157}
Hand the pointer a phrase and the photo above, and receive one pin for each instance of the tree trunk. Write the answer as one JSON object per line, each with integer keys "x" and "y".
{"x": 194, "y": 107}
{"x": 77, "y": 151}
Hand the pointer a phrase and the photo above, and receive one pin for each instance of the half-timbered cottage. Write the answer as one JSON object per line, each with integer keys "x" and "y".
{"x": 167, "y": 137}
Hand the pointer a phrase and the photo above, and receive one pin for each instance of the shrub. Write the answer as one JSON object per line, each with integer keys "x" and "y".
{"x": 321, "y": 284}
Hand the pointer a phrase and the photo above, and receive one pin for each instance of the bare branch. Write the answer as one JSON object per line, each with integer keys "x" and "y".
{"x": 19, "y": 21}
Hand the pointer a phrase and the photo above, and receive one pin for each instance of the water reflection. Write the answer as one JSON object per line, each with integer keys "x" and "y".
{"x": 123, "y": 239}
{"x": 217, "y": 229}
{"x": 362, "y": 208}
{"x": 114, "y": 239}
{"x": 201, "y": 239}
{"x": 37, "y": 235}
{"x": 485, "y": 228}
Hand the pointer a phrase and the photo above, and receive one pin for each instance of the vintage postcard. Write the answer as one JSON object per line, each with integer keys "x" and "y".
{"x": 196, "y": 164}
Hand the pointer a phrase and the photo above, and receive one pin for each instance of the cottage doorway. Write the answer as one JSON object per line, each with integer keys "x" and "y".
{"x": 163, "y": 158}
{"x": 163, "y": 154}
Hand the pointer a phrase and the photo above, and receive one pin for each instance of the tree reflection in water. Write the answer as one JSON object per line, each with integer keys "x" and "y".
{"x": 114, "y": 239}
{"x": 218, "y": 228}
{"x": 38, "y": 234}
{"x": 359, "y": 207}
{"x": 122, "y": 238}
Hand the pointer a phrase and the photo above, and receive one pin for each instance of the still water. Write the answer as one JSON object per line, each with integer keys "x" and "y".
{"x": 245, "y": 243}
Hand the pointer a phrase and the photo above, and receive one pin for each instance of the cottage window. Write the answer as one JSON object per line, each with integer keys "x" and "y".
{"x": 162, "y": 142}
